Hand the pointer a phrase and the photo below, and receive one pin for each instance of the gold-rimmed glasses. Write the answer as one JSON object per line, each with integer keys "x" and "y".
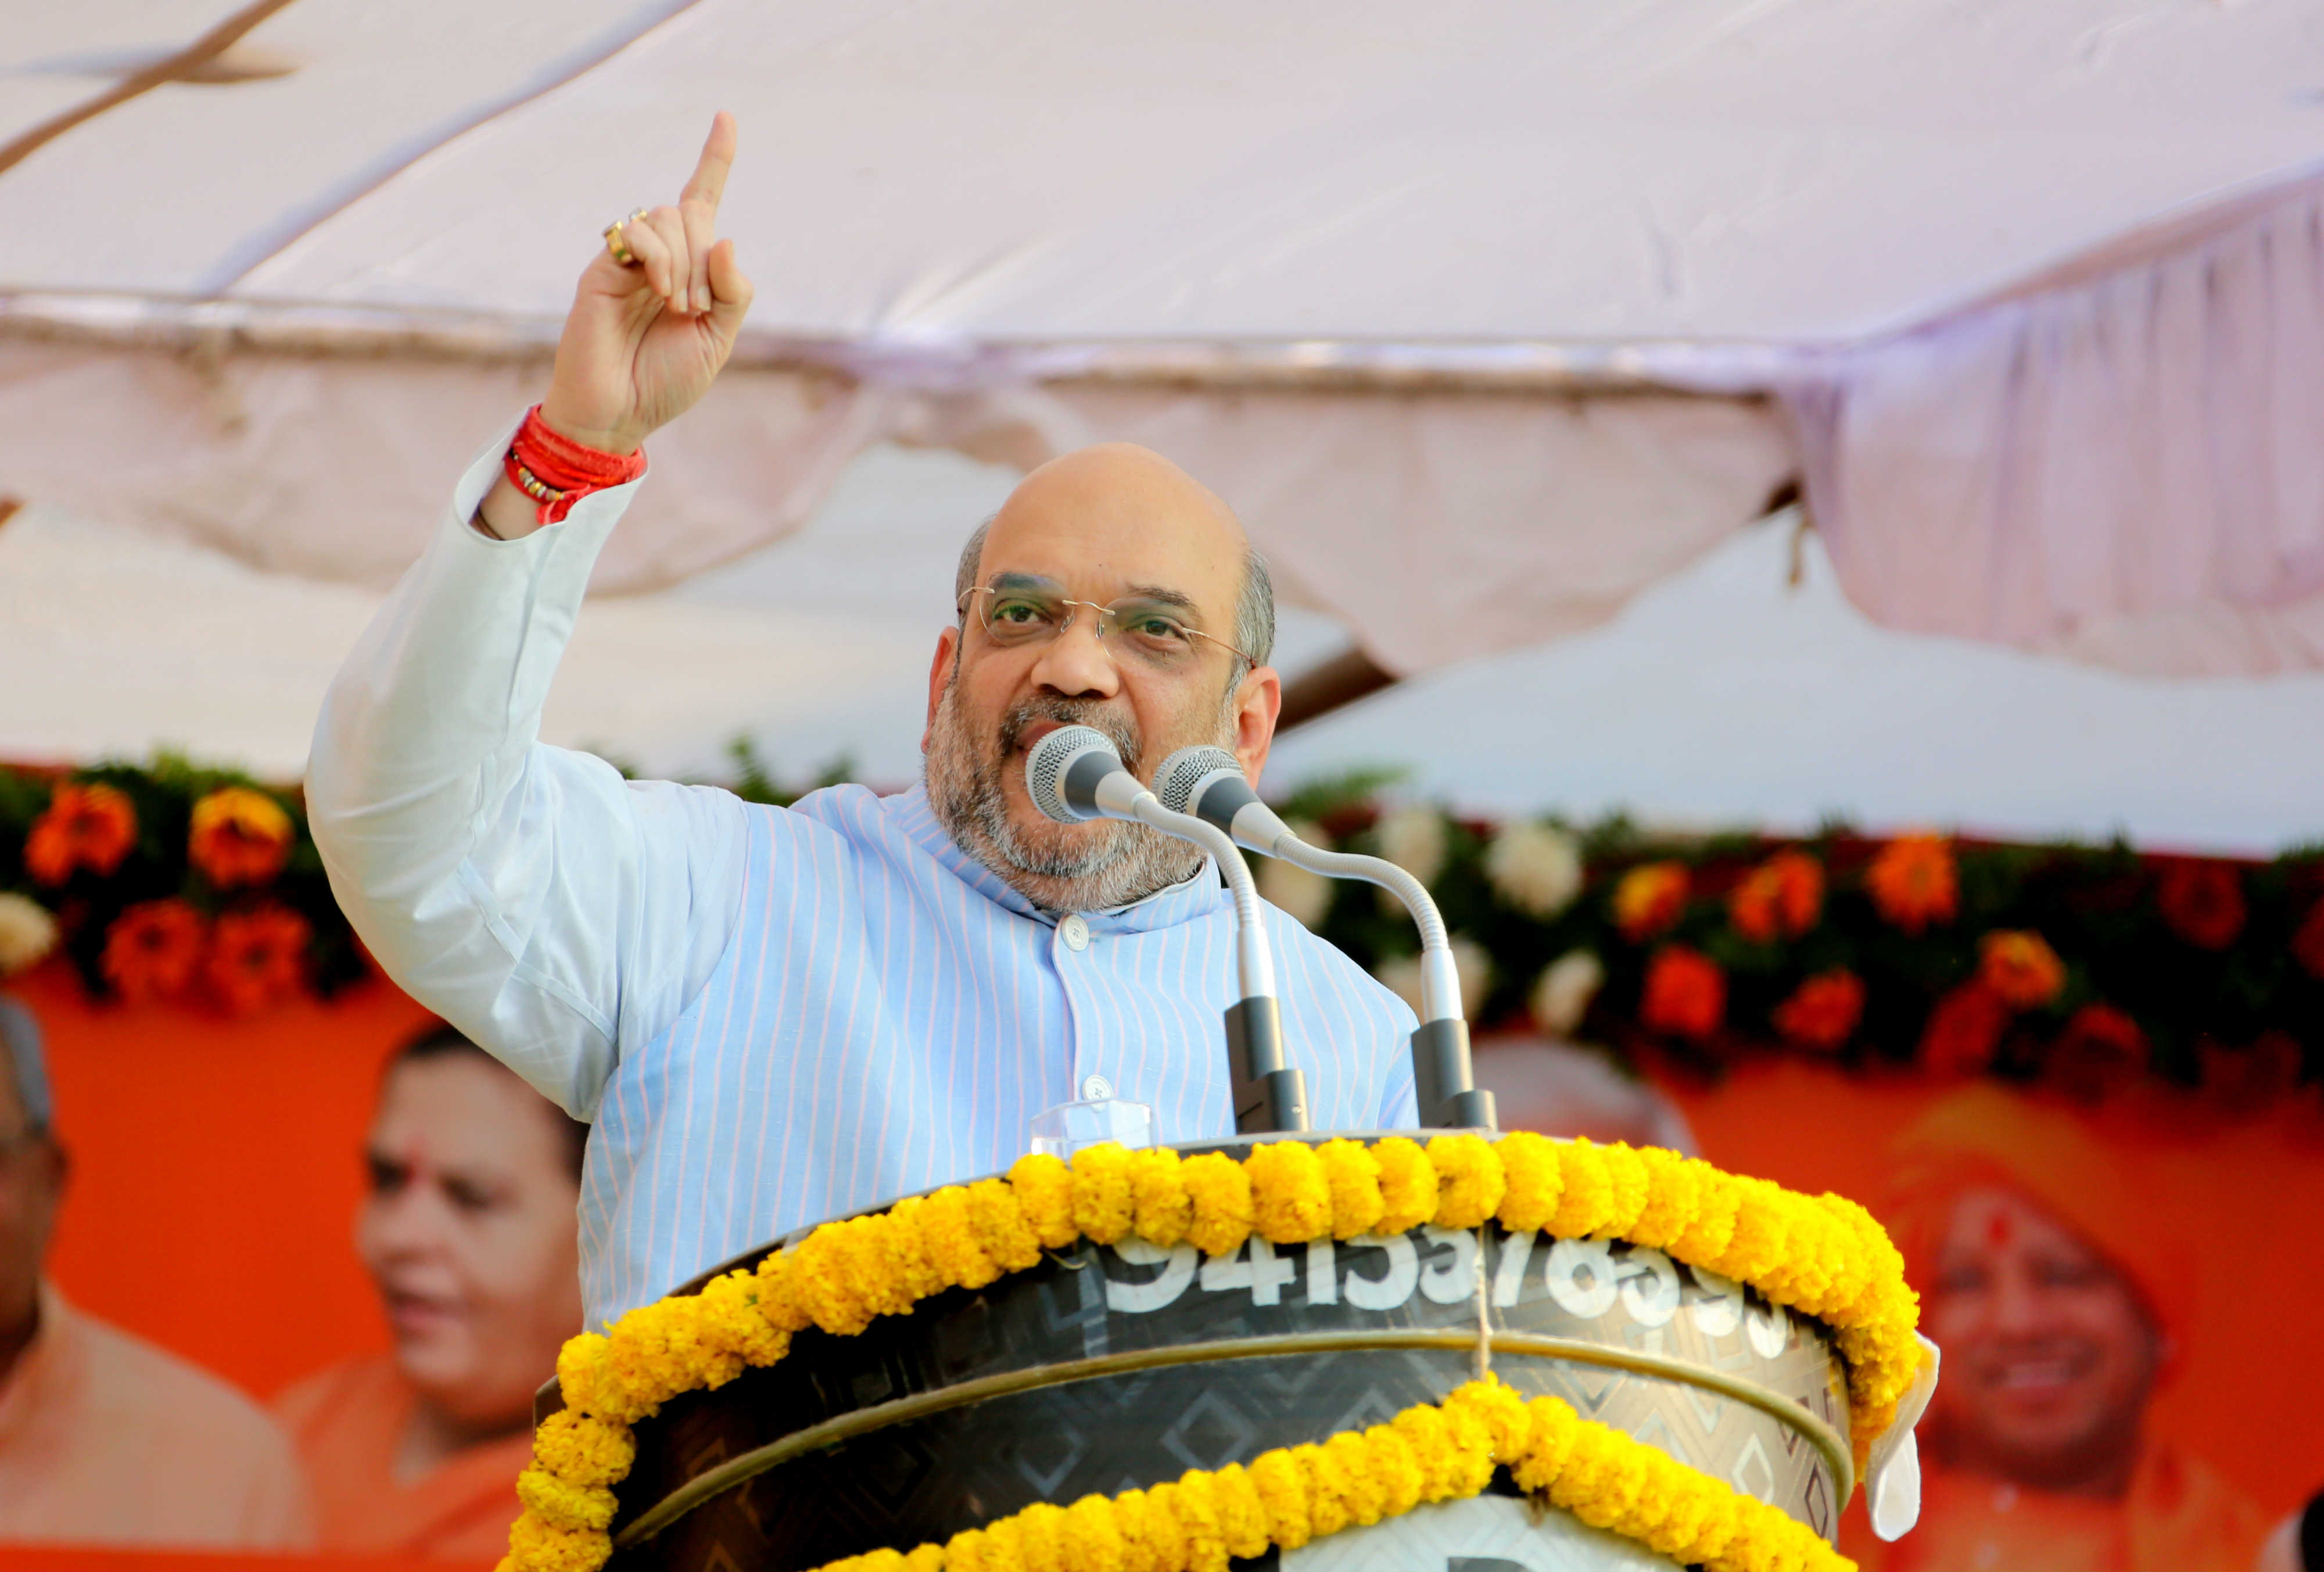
{"x": 1018, "y": 610}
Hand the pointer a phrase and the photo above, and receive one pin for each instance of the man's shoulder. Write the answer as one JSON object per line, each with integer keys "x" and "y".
{"x": 368, "y": 1383}
{"x": 132, "y": 1382}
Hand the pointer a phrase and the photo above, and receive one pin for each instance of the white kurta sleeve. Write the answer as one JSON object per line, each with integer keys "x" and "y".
{"x": 556, "y": 913}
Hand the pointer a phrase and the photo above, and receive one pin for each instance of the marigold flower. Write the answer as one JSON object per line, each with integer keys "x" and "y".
{"x": 1914, "y": 883}
{"x": 255, "y": 956}
{"x": 1963, "y": 1029}
{"x": 1003, "y": 1231}
{"x": 537, "y": 1545}
{"x": 584, "y": 1450}
{"x": 1291, "y": 1195}
{"x": 88, "y": 825}
{"x": 2202, "y": 901}
{"x": 1649, "y": 898}
{"x": 1103, "y": 1199}
{"x": 2099, "y": 1051}
{"x": 1782, "y": 897}
{"x": 27, "y": 933}
{"x": 563, "y": 1504}
{"x": 152, "y": 950}
{"x": 1585, "y": 1195}
{"x": 949, "y": 1239}
{"x": 2020, "y": 969}
{"x": 1824, "y": 1011}
{"x": 1407, "y": 1182}
{"x": 1469, "y": 1181}
{"x": 2308, "y": 941}
{"x": 1221, "y": 1192}
{"x": 1685, "y": 993}
{"x": 1353, "y": 1174}
{"x": 1533, "y": 1182}
{"x": 239, "y": 836}
{"x": 1159, "y": 1203}
{"x": 1044, "y": 1188}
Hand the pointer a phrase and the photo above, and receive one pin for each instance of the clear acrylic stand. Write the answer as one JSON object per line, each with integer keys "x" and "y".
{"x": 1066, "y": 1129}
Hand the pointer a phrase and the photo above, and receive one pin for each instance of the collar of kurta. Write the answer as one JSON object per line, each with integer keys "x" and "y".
{"x": 1197, "y": 896}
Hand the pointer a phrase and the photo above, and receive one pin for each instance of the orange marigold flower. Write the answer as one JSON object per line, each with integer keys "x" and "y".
{"x": 2203, "y": 902}
{"x": 2308, "y": 940}
{"x": 239, "y": 836}
{"x": 256, "y": 956}
{"x": 1649, "y": 898}
{"x": 1685, "y": 993}
{"x": 1963, "y": 1030}
{"x": 2101, "y": 1049}
{"x": 1914, "y": 882}
{"x": 90, "y": 826}
{"x": 1823, "y": 1012}
{"x": 2020, "y": 969}
{"x": 152, "y": 950}
{"x": 1782, "y": 897}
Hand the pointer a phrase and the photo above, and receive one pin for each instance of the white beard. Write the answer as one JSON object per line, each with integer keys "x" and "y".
{"x": 1060, "y": 868}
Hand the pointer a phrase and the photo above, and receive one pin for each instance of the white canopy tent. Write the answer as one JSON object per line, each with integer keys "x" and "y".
{"x": 1487, "y": 317}
{"x": 1725, "y": 695}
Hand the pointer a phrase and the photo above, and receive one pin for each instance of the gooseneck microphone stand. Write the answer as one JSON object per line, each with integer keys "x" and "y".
{"x": 1074, "y": 775}
{"x": 1208, "y": 784}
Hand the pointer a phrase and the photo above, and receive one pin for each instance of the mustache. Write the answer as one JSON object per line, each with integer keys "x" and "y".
{"x": 1117, "y": 728}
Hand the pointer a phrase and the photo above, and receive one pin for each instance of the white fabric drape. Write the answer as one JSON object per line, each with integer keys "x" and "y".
{"x": 2127, "y": 468}
{"x": 1441, "y": 525}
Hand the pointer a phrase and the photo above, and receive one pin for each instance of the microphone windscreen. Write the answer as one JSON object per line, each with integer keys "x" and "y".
{"x": 1187, "y": 768}
{"x": 1052, "y": 756}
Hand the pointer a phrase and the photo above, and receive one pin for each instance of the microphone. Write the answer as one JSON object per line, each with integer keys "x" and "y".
{"x": 1208, "y": 784}
{"x": 1074, "y": 775}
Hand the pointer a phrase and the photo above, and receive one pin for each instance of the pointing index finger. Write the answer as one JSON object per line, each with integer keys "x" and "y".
{"x": 708, "y": 182}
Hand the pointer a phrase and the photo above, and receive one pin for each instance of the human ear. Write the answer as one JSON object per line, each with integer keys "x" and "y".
{"x": 1258, "y": 700}
{"x": 939, "y": 674}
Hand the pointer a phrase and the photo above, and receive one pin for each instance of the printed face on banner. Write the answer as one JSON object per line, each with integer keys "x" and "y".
{"x": 32, "y": 1183}
{"x": 2049, "y": 1355}
{"x": 468, "y": 1233}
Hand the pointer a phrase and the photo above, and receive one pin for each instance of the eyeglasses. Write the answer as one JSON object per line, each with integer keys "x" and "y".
{"x": 1020, "y": 611}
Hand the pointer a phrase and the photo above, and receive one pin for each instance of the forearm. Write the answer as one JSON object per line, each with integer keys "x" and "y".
{"x": 507, "y": 513}
{"x": 422, "y": 765}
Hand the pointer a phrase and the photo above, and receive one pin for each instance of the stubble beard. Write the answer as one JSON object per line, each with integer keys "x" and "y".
{"x": 1060, "y": 868}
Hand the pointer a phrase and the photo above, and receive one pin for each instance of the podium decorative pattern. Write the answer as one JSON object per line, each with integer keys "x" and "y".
{"x": 1132, "y": 1364}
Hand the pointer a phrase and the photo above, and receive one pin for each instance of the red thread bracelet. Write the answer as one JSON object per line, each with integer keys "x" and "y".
{"x": 556, "y": 472}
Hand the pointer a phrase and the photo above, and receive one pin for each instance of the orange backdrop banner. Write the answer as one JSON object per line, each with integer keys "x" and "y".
{"x": 217, "y": 1170}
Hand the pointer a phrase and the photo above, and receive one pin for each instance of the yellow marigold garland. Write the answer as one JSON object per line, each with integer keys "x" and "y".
{"x": 1824, "y": 1256}
{"x": 1291, "y": 1495}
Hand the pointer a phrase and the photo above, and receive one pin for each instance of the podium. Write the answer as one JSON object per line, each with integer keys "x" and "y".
{"x": 1105, "y": 1368}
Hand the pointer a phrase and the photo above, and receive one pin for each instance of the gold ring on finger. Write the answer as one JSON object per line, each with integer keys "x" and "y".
{"x": 616, "y": 244}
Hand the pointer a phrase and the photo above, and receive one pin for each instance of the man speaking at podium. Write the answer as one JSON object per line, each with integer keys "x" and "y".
{"x": 773, "y": 1016}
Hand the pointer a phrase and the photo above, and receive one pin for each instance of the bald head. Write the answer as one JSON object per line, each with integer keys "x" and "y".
{"x": 1119, "y": 494}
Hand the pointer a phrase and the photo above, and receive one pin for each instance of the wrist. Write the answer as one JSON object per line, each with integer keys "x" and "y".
{"x": 619, "y": 441}
{"x": 556, "y": 470}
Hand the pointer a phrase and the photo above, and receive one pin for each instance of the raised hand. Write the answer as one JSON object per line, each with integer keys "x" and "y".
{"x": 643, "y": 342}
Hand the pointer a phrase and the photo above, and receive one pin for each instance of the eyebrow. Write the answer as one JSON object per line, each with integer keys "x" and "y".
{"x": 1162, "y": 594}
{"x": 1159, "y": 594}
{"x": 1022, "y": 581}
